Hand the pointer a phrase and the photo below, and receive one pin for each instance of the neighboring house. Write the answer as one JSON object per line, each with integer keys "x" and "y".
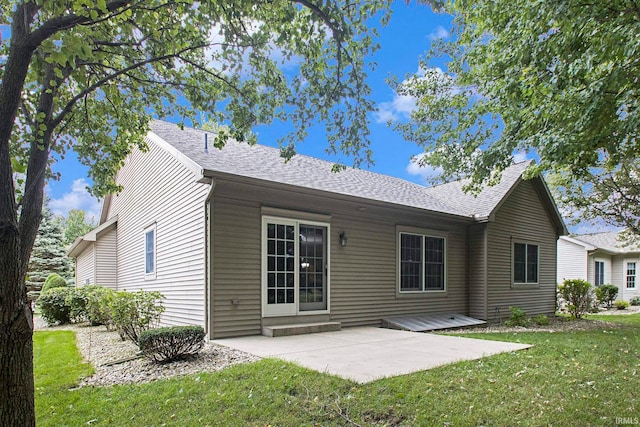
{"x": 600, "y": 258}
{"x": 237, "y": 239}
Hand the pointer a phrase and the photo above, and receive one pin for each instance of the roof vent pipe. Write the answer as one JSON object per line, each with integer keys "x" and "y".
{"x": 206, "y": 143}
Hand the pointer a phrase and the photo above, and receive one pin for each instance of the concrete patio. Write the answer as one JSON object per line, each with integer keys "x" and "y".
{"x": 364, "y": 354}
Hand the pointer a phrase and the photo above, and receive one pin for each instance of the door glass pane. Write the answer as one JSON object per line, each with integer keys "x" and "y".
{"x": 313, "y": 261}
{"x": 280, "y": 263}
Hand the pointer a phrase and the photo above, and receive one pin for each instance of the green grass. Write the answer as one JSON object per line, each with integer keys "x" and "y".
{"x": 567, "y": 379}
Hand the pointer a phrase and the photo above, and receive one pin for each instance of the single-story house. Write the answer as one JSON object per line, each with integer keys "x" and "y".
{"x": 600, "y": 258}
{"x": 236, "y": 239}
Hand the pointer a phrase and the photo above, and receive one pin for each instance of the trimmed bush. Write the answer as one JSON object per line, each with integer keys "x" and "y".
{"x": 135, "y": 312}
{"x": 621, "y": 305}
{"x": 578, "y": 295}
{"x": 518, "y": 317}
{"x": 606, "y": 294}
{"x": 53, "y": 281}
{"x": 54, "y": 307}
{"x": 174, "y": 343}
{"x": 635, "y": 301}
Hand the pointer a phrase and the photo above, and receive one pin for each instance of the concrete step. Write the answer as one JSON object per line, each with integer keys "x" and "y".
{"x": 300, "y": 329}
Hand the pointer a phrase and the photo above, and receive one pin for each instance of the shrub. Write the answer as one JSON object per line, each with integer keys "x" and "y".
{"x": 98, "y": 301}
{"x": 606, "y": 294}
{"x": 541, "y": 320}
{"x": 53, "y": 281}
{"x": 54, "y": 307}
{"x": 135, "y": 312}
{"x": 621, "y": 305}
{"x": 635, "y": 301}
{"x": 77, "y": 302}
{"x": 577, "y": 293}
{"x": 518, "y": 317}
{"x": 174, "y": 343}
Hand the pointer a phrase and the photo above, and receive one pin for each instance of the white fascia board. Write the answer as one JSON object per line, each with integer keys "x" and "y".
{"x": 195, "y": 168}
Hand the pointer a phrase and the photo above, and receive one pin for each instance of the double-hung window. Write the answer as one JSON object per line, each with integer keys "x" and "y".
{"x": 525, "y": 263}
{"x": 631, "y": 275}
{"x": 599, "y": 273}
{"x": 422, "y": 263}
{"x": 150, "y": 252}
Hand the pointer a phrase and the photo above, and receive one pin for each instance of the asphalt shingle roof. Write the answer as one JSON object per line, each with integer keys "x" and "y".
{"x": 264, "y": 163}
{"x": 608, "y": 240}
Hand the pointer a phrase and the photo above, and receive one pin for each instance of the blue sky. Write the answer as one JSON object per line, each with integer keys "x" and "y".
{"x": 407, "y": 36}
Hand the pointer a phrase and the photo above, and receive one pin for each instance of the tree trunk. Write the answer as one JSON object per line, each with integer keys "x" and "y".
{"x": 16, "y": 369}
{"x": 16, "y": 320}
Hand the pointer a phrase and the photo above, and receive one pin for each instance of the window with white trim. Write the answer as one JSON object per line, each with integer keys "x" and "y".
{"x": 631, "y": 275}
{"x": 525, "y": 263}
{"x": 422, "y": 263}
{"x": 150, "y": 251}
{"x": 599, "y": 273}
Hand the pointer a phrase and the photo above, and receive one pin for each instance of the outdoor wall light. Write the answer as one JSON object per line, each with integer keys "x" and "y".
{"x": 343, "y": 239}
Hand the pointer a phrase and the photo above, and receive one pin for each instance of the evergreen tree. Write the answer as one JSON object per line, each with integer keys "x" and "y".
{"x": 49, "y": 255}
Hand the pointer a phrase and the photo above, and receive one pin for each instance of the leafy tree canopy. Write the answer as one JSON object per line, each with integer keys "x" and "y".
{"x": 557, "y": 79}
{"x": 75, "y": 224}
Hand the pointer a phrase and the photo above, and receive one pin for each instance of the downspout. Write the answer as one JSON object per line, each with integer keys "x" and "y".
{"x": 485, "y": 271}
{"x": 207, "y": 259}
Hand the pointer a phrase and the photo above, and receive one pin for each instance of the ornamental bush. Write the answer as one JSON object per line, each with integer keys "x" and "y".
{"x": 97, "y": 310}
{"x": 54, "y": 307}
{"x": 635, "y": 301}
{"x": 578, "y": 295}
{"x": 174, "y": 343}
{"x": 135, "y": 312}
{"x": 90, "y": 303}
{"x": 606, "y": 294}
{"x": 621, "y": 305}
{"x": 53, "y": 281}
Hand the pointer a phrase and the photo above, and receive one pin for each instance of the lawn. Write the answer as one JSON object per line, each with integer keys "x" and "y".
{"x": 568, "y": 378}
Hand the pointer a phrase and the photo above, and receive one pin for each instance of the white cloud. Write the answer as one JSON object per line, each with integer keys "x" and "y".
{"x": 425, "y": 171}
{"x": 77, "y": 198}
{"x": 437, "y": 82}
{"x": 400, "y": 107}
{"x": 439, "y": 33}
{"x": 520, "y": 156}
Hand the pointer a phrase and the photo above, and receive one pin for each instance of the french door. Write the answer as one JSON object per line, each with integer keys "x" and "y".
{"x": 295, "y": 267}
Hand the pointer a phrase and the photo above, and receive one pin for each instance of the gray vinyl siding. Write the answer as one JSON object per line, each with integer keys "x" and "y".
{"x": 522, "y": 218}
{"x": 572, "y": 261}
{"x": 363, "y": 281}
{"x": 106, "y": 259}
{"x": 477, "y": 271}
{"x": 85, "y": 266}
{"x": 158, "y": 189}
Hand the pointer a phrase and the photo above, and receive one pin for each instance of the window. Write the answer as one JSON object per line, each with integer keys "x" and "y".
{"x": 631, "y": 275}
{"x": 422, "y": 266}
{"x": 525, "y": 263}
{"x": 599, "y": 273}
{"x": 150, "y": 251}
